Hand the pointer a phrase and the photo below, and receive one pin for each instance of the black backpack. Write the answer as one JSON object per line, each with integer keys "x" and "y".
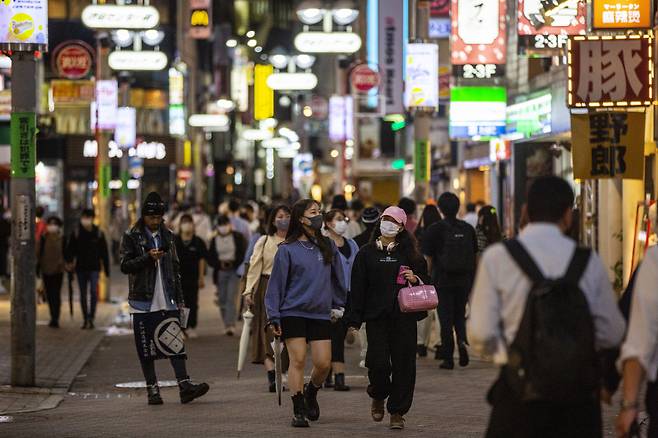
{"x": 553, "y": 356}
{"x": 458, "y": 253}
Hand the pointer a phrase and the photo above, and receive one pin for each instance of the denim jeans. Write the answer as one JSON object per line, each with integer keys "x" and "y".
{"x": 88, "y": 283}
{"x": 227, "y": 291}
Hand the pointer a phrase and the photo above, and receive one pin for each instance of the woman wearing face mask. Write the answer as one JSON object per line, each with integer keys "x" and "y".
{"x": 192, "y": 253}
{"x": 487, "y": 231}
{"x": 50, "y": 250}
{"x": 227, "y": 250}
{"x": 305, "y": 289}
{"x": 381, "y": 269}
{"x": 258, "y": 275}
{"x": 335, "y": 225}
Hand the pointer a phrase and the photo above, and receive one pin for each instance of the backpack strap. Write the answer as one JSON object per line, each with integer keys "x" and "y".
{"x": 577, "y": 265}
{"x": 524, "y": 260}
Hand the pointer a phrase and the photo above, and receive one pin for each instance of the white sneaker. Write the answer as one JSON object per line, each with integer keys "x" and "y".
{"x": 362, "y": 364}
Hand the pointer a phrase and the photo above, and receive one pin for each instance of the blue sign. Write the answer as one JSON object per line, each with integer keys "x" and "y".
{"x": 439, "y": 27}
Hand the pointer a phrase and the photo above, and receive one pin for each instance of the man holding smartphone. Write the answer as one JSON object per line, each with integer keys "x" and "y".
{"x": 148, "y": 256}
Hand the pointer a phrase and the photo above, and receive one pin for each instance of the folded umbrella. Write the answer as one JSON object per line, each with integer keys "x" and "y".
{"x": 278, "y": 368}
{"x": 244, "y": 339}
{"x": 70, "y": 278}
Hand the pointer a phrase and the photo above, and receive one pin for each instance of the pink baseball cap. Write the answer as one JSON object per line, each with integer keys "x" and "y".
{"x": 396, "y": 213}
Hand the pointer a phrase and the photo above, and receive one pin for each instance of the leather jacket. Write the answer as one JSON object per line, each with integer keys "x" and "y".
{"x": 142, "y": 269}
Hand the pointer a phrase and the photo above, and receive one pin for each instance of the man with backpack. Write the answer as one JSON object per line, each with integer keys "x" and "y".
{"x": 450, "y": 247}
{"x": 542, "y": 307}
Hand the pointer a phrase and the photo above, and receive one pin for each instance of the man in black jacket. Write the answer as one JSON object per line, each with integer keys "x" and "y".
{"x": 148, "y": 256}
{"x": 85, "y": 252}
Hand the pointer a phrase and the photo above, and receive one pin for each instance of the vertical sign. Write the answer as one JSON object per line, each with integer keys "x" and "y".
{"x": 125, "y": 133}
{"x": 176, "y": 103}
{"x": 391, "y": 22}
{"x": 422, "y": 160}
{"x": 107, "y": 100}
{"x": 263, "y": 94}
{"x": 422, "y": 78}
{"x": 200, "y": 19}
{"x": 611, "y": 145}
{"x": 341, "y": 118}
{"x": 23, "y": 130}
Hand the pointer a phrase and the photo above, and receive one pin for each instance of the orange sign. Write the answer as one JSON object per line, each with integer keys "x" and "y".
{"x": 621, "y": 14}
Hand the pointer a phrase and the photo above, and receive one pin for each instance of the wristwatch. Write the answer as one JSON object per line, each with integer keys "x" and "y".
{"x": 626, "y": 405}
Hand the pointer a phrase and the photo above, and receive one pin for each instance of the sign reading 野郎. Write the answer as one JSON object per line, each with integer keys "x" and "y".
{"x": 611, "y": 145}
{"x": 615, "y": 71}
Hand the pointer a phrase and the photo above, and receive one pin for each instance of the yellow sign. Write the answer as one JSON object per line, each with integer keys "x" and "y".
{"x": 263, "y": 95}
{"x": 608, "y": 145}
{"x": 199, "y": 18}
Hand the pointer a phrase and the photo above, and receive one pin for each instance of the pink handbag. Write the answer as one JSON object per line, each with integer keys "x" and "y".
{"x": 418, "y": 298}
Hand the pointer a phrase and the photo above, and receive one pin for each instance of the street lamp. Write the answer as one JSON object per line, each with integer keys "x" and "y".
{"x": 311, "y": 12}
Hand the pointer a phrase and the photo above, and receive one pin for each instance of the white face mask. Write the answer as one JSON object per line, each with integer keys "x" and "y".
{"x": 86, "y": 222}
{"x": 53, "y": 229}
{"x": 224, "y": 229}
{"x": 340, "y": 227}
{"x": 187, "y": 227}
{"x": 389, "y": 229}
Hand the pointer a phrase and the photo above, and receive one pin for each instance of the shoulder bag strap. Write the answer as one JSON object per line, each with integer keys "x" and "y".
{"x": 578, "y": 264}
{"x": 524, "y": 260}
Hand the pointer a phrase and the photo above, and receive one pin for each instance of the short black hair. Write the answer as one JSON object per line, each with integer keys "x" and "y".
{"x": 549, "y": 197}
{"x": 54, "y": 220}
{"x": 39, "y": 211}
{"x": 449, "y": 204}
{"x": 223, "y": 220}
{"x": 88, "y": 212}
{"x": 339, "y": 203}
{"x": 408, "y": 205}
{"x": 233, "y": 205}
{"x": 470, "y": 207}
{"x": 186, "y": 218}
{"x": 357, "y": 205}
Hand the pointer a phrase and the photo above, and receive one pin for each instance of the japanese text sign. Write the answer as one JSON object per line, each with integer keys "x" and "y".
{"x": 422, "y": 154}
{"x": 609, "y": 145}
{"x": 23, "y": 133}
{"x": 621, "y": 14}
{"x": 478, "y": 32}
{"x": 610, "y": 71}
{"x": 559, "y": 17}
{"x": 24, "y": 24}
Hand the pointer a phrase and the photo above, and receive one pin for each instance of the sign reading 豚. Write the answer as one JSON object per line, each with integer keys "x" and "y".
{"x": 23, "y": 144}
{"x": 24, "y": 25}
{"x": 611, "y": 145}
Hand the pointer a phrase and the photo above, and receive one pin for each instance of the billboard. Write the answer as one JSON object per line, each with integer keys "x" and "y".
{"x": 422, "y": 72}
{"x": 544, "y": 27}
{"x": 477, "y": 113}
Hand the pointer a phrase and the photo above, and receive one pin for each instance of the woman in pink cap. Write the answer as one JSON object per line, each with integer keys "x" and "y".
{"x": 382, "y": 267}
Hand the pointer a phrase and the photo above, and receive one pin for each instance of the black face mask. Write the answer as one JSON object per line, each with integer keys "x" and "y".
{"x": 316, "y": 222}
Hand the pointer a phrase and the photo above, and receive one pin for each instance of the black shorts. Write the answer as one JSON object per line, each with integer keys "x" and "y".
{"x": 311, "y": 329}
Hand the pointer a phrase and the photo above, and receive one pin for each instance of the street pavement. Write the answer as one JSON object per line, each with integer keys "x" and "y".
{"x": 446, "y": 404}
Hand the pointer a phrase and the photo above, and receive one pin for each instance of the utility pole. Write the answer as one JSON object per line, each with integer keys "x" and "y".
{"x": 23, "y": 260}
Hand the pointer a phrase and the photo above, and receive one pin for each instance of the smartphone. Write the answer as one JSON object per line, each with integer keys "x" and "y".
{"x": 401, "y": 279}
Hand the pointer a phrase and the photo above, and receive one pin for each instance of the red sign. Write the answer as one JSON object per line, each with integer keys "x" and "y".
{"x": 615, "y": 71}
{"x": 73, "y": 60}
{"x": 479, "y": 32}
{"x": 364, "y": 78}
{"x": 440, "y": 8}
{"x": 559, "y": 17}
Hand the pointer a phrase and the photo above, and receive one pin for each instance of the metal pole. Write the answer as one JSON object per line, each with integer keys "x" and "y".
{"x": 23, "y": 260}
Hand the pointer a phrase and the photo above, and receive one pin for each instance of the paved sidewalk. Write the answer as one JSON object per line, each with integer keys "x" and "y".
{"x": 60, "y": 355}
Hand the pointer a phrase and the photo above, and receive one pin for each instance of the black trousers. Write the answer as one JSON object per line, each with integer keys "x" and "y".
{"x": 452, "y": 316}
{"x": 511, "y": 418}
{"x": 53, "y": 285}
{"x": 177, "y": 363}
{"x": 191, "y": 296}
{"x": 391, "y": 361}
{"x": 338, "y": 333}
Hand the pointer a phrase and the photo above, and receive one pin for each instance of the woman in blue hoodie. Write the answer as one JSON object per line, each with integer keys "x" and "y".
{"x": 305, "y": 292}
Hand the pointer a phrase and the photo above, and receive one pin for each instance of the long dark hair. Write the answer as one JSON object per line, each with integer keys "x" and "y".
{"x": 488, "y": 224}
{"x": 430, "y": 216}
{"x": 296, "y": 230}
{"x": 271, "y": 227}
{"x": 407, "y": 243}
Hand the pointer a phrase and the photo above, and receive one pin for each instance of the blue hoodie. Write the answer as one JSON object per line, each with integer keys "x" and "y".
{"x": 302, "y": 285}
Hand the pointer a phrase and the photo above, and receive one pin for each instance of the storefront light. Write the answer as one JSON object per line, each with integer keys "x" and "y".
{"x": 133, "y": 184}
{"x": 310, "y": 12}
{"x": 153, "y": 37}
{"x": 279, "y": 61}
{"x": 252, "y": 43}
{"x": 304, "y": 61}
{"x": 5, "y": 62}
{"x": 258, "y": 49}
{"x": 231, "y": 43}
{"x": 226, "y": 105}
{"x": 292, "y": 81}
{"x": 334, "y": 153}
{"x": 123, "y": 37}
{"x": 345, "y": 16}
{"x": 289, "y": 134}
{"x": 250, "y": 34}
{"x": 268, "y": 123}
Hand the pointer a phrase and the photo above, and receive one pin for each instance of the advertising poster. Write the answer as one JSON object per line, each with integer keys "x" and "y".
{"x": 107, "y": 100}
{"x": 421, "y": 84}
{"x": 23, "y": 22}
{"x": 125, "y": 133}
{"x": 391, "y": 57}
{"x": 478, "y": 32}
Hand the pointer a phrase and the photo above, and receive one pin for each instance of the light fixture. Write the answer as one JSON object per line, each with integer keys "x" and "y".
{"x": 289, "y": 134}
{"x": 334, "y": 153}
{"x": 209, "y": 120}
{"x": 252, "y": 43}
{"x": 279, "y": 60}
{"x": 251, "y": 34}
{"x": 345, "y": 16}
{"x": 308, "y": 112}
{"x": 257, "y": 134}
{"x": 231, "y": 43}
{"x": 258, "y": 49}
{"x": 292, "y": 81}
{"x": 310, "y": 12}
{"x": 122, "y": 37}
{"x": 275, "y": 143}
{"x": 304, "y": 61}
{"x": 268, "y": 123}
{"x": 226, "y": 105}
{"x": 285, "y": 101}
{"x": 153, "y": 37}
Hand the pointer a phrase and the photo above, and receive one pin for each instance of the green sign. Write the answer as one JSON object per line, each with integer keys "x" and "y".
{"x": 104, "y": 183}
{"x": 422, "y": 160}
{"x": 23, "y": 144}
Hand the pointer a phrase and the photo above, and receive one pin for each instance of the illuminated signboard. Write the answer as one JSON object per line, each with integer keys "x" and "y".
{"x": 530, "y": 117}
{"x": 263, "y": 94}
{"x": 391, "y": 54}
{"x": 176, "y": 101}
{"x": 200, "y": 19}
{"x": 439, "y": 27}
{"x": 73, "y": 59}
{"x": 422, "y": 72}
{"x": 477, "y": 113}
{"x": 125, "y": 133}
{"x": 544, "y": 27}
{"x": 327, "y": 42}
{"x": 128, "y": 60}
{"x": 478, "y": 38}
{"x": 621, "y": 14}
{"x": 107, "y": 99}
{"x": 341, "y": 115}
{"x": 24, "y": 24}
{"x": 111, "y": 16}
{"x": 292, "y": 81}
{"x": 610, "y": 71}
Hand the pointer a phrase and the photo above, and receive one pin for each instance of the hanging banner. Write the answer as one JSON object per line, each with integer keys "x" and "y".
{"x": 421, "y": 82}
{"x": 24, "y": 25}
{"x": 107, "y": 100}
{"x": 391, "y": 57}
{"x": 478, "y": 42}
{"x": 544, "y": 27}
{"x": 422, "y": 157}
{"x": 611, "y": 145}
{"x": 23, "y": 136}
{"x": 200, "y": 19}
{"x": 610, "y": 71}
{"x": 125, "y": 133}
{"x": 341, "y": 118}
{"x": 263, "y": 94}
{"x": 621, "y": 14}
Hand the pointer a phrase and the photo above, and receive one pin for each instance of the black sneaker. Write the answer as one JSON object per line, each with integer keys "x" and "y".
{"x": 90, "y": 326}
{"x": 447, "y": 364}
{"x": 421, "y": 350}
{"x": 299, "y": 411}
{"x": 154, "y": 395}
{"x": 311, "y": 399}
{"x": 189, "y": 391}
{"x": 340, "y": 383}
{"x": 463, "y": 356}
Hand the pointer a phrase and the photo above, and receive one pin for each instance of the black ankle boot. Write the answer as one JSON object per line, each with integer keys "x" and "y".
{"x": 328, "y": 382}
{"x": 154, "y": 394}
{"x": 311, "y": 398}
{"x": 447, "y": 364}
{"x": 271, "y": 378}
{"x": 189, "y": 391}
{"x": 463, "y": 356}
{"x": 340, "y": 383}
{"x": 299, "y": 411}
